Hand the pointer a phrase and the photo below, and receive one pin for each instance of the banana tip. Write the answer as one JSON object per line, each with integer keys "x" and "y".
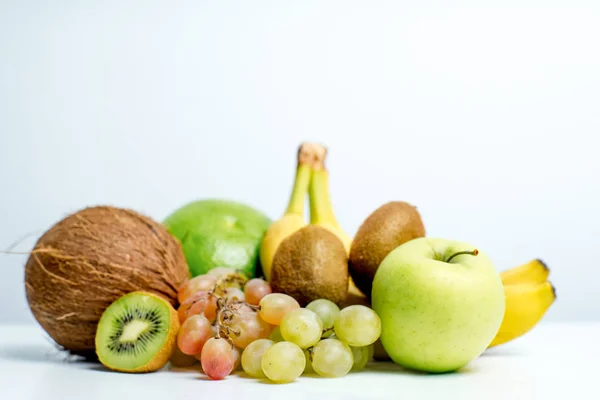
{"x": 553, "y": 290}
{"x": 543, "y": 264}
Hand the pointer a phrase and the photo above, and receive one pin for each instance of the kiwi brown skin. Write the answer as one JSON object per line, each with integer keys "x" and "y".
{"x": 311, "y": 264}
{"x": 162, "y": 357}
{"x": 385, "y": 229}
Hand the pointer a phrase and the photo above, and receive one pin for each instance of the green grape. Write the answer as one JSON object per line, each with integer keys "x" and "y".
{"x": 302, "y": 327}
{"x": 252, "y": 357}
{"x": 327, "y": 311}
{"x": 362, "y": 355}
{"x": 283, "y": 362}
{"x": 332, "y": 358}
{"x": 308, "y": 369}
{"x": 327, "y": 334}
{"x": 276, "y": 335}
{"x": 358, "y": 326}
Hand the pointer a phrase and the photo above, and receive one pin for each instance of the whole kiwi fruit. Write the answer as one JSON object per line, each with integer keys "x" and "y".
{"x": 311, "y": 264}
{"x": 385, "y": 229}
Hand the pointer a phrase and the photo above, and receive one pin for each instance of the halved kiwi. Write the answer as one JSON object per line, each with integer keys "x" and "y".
{"x": 137, "y": 333}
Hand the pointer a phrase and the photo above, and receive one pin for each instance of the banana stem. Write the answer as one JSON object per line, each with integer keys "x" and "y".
{"x": 301, "y": 183}
{"x": 306, "y": 156}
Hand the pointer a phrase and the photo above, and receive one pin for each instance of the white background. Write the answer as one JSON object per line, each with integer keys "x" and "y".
{"x": 486, "y": 118}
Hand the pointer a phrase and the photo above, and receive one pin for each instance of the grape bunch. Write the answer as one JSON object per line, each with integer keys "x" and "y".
{"x": 229, "y": 321}
{"x": 319, "y": 338}
{"x": 219, "y": 317}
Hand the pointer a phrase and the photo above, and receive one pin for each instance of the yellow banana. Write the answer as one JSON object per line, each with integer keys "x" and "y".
{"x": 293, "y": 218}
{"x": 526, "y": 304}
{"x": 534, "y": 271}
{"x": 321, "y": 210}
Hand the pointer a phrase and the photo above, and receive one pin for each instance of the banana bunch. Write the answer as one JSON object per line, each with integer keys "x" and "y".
{"x": 528, "y": 295}
{"x": 313, "y": 178}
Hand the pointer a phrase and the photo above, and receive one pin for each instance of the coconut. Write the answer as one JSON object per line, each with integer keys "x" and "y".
{"x": 91, "y": 258}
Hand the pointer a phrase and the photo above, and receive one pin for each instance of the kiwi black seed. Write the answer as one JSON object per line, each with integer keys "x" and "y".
{"x": 311, "y": 264}
{"x": 137, "y": 333}
{"x": 385, "y": 229}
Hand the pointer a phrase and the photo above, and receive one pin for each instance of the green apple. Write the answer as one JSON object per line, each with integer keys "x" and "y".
{"x": 441, "y": 303}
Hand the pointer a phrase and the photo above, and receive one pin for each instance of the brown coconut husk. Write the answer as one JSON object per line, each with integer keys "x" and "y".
{"x": 91, "y": 258}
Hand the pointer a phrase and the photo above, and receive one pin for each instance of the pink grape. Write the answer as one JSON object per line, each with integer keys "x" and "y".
{"x": 255, "y": 290}
{"x": 251, "y": 327}
{"x": 237, "y": 358}
{"x": 217, "y": 358}
{"x": 201, "y": 283}
{"x": 210, "y": 310}
{"x": 192, "y": 306}
{"x": 242, "y": 308}
{"x": 275, "y": 305}
{"x": 193, "y": 334}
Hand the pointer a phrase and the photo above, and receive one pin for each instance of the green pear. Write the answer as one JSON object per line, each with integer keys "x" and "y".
{"x": 441, "y": 303}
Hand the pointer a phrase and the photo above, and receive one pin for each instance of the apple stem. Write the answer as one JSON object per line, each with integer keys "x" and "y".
{"x": 473, "y": 253}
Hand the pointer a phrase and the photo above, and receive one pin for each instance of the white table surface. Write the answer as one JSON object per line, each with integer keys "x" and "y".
{"x": 555, "y": 361}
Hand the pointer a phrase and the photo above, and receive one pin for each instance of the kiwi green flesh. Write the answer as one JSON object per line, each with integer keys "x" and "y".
{"x": 132, "y": 331}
